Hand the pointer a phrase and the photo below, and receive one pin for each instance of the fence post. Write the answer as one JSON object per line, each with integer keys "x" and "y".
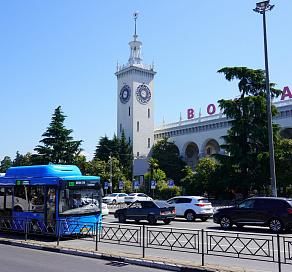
{"x": 203, "y": 261}
{"x": 96, "y": 236}
{"x": 59, "y": 232}
{"x": 143, "y": 241}
{"x": 279, "y": 252}
{"x": 25, "y": 228}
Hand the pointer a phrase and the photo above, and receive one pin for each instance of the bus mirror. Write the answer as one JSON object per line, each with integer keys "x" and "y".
{"x": 101, "y": 191}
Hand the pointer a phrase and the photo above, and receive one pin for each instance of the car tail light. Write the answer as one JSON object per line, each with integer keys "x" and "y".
{"x": 200, "y": 205}
{"x": 162, "y": 212}
{"x": 289, "y": 210}
{"x": 173, "y": 211}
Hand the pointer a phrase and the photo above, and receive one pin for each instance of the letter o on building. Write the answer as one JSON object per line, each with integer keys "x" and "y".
{"x": 211, "y": 109}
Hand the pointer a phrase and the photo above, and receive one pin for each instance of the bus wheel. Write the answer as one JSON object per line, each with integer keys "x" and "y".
{"x": 35, "y": 226}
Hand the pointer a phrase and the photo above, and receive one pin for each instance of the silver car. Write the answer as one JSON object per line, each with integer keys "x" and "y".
{"x": 114, "y": 198}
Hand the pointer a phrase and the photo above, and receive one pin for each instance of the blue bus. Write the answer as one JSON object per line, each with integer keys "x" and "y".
{"x": 49, "y": 199}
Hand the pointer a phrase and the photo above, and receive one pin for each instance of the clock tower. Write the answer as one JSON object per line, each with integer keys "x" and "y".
{"x": 135, "y": 102}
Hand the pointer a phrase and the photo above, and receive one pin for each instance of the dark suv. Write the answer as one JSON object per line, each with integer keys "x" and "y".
{"x": 272, "y": 212}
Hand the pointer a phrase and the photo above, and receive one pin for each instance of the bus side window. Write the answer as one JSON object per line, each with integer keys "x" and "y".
{"x": 21, "y": 203}
{"x": 37, "y": 198}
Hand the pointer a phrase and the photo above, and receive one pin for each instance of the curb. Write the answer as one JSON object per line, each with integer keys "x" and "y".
{"x": 114, "y": 258}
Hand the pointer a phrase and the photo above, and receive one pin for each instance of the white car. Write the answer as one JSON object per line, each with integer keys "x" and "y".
{"x": 114, "y": 198}
{"x": 104, "y": 207}
{"x": 136, "y": 196}
{"x": 192, "y": 207}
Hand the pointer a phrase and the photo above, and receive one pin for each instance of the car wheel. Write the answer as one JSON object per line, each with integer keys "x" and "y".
{"x": 204, "y": 219}
{"x": 122, "y": 218}
{"x": 190, "y": 216}
{"x": 151, "y": 219}
{"x": 225, "y": 222}
{"x": 114, "y": 202}
{"x": 276, "y": 225}
{"x": 166, "y": 221}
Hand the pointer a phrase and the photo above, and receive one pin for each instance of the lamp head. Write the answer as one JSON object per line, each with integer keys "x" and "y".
{"x": 263, "y": 6}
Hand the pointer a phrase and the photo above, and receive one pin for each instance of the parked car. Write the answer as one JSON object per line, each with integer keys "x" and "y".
{"x": 146, "y": 210}
{"x": 136, "y": 196}
{"x": 114, "y": 198}
{"x": 192, "y": 207}
{"x": 272, "y": 212}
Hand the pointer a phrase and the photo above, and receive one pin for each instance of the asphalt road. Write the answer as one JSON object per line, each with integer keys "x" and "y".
{"x": 20, "y": 259}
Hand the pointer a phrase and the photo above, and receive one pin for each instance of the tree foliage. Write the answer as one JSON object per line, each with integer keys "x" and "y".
{"x": 58, "y": 146}
{"x": 247, "y": 138}
{"x": 18, "y": 160}
{"x": 118, "y": 148}
{"x": 169, "y": 161}
{"x": 5, "y": 164}
{"x": 100, "y": 168}
{"x": 283, "y": 159}
{"x": 200, "y": 181}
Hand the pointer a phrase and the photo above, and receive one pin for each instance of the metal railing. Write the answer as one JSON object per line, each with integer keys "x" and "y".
{"x": 274, "y": 248}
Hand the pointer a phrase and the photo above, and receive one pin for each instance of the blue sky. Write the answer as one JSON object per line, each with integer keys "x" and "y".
{"x": 64, "y": 53}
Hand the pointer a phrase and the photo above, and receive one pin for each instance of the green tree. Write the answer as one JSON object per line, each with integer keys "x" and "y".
{"x": 103, "y": 149}
{"x": 27, "y": 159}
{"x": 248, "y": 136}
{"x": 5, "y": 164}
{"x": 160, "y": 181}
{"x": 18, "y": 159}
{"x": 118, "y": 148}
{"x": 153, "y": 164}
{"x": 100, "y": 168}
{"x": 126, "y": 156}
{"x": 58, "y": 146}
{"x": 201, "y": 181}
{"x": 283, "y": 159}
{"x": 169, "y": 161}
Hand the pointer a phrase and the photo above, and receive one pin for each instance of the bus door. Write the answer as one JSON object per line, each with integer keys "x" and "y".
{"x": 51, "y": 206}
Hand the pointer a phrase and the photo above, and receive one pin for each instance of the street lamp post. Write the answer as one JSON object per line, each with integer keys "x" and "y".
{"x": 261, "y": 8}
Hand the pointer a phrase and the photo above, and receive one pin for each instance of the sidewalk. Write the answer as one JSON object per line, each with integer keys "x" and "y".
{"x": 161, "y": 263}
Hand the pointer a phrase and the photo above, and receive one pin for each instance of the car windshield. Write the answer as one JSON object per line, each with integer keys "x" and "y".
{"x": 162, "y": 204}
{"x": 112, "y": 195}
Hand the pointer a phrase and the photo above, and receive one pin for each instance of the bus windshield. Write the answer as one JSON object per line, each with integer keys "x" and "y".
{"x": 77, "y": 202}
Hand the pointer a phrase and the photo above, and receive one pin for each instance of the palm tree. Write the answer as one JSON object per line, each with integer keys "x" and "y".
{"x": 153, "y": 163}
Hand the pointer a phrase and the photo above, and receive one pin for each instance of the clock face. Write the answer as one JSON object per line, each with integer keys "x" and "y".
{"x": 143, "y": 94}
{"x": 125, "y": 94}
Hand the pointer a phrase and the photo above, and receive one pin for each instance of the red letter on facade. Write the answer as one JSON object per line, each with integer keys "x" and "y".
{"x": 286, "y": 92}
{"x": 190, "y": 113}
{"x": 209, "y": 109}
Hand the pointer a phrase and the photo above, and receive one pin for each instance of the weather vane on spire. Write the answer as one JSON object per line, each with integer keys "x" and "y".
{"x": 135, "y": 15}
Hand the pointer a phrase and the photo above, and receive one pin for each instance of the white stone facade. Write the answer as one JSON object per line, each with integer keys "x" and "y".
{"x": 200, "y": 137}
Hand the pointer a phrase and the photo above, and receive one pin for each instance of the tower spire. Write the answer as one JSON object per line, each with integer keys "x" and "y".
{"x": 135, "y": 15}
{"x": 135, "y": 47}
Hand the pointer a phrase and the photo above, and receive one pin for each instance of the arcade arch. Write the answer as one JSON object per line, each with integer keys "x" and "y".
{"x": 191, "y": 154}
{"x": 286, "y": 133}
{"x": 211, "y": 147}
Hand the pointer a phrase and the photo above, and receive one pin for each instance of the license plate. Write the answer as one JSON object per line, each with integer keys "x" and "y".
{"x": 85, "y": 229}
